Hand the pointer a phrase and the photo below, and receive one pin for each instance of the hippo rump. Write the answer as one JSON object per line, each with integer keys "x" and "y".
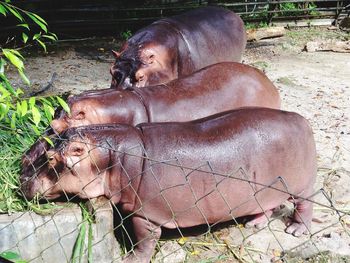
{"x": 178, "y": 174}
{"x": 173, "y": 47}
{"x": 216, "y": 88}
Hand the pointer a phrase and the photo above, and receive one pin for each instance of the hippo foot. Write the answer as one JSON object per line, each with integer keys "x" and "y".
{"x": 260, "y": 220}
{"x": 296, "y": 228}
{"x": 132, "y": 259}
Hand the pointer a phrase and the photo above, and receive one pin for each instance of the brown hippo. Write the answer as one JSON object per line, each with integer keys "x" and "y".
{"x": 216, "y": 88}
{"x": 178, "y": 174}
{"x": 177, "y": 46}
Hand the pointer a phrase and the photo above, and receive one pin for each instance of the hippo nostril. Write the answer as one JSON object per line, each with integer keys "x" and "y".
{"x": 56, "y": 126}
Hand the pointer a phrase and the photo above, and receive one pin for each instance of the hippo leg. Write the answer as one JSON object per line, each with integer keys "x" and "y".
{"x": 147, "y": 234}
{"x": 260, "y": 220}
{"x": 300, "y": 222}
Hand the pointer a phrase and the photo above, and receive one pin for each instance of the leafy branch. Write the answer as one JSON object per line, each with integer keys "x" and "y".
{"x": 22, "y": 119}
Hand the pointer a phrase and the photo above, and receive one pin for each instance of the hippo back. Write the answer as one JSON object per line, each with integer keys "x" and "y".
{"x": 216, "y": 35}
{"x": 178, "y": 46}
{"x": 206, "y": 92}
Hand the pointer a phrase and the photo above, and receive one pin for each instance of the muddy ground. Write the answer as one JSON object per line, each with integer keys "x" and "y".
{"x": 316, "y": 85}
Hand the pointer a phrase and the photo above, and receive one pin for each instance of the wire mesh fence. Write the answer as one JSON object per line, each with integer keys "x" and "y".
{"x": 198, "y": 211}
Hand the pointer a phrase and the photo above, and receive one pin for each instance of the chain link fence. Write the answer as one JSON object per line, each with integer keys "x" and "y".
{"x": 190, "y": 205}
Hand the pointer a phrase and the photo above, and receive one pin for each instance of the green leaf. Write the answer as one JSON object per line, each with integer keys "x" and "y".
{"x": 3, "y": 92}
{"x": 7, "y": 84}
{"x": 50, "y": 37}
{"x": 19, "y": 91}
{"x": 42, "y": 44}
{"x": 24, "y": 107}
{"x": 16, "y": 52}
{"x": 24, "y": 37}
{"x": 50, "y": 109}
{"x": 36, "y": 36}
{"x": 16, "y": 61}
{"x": 48, "y": 140}
{"x": 24, "y": 77}
{"x": 39, "y": 21}
{"x": 4, "y": 109}
{"x": 63, "y": 104}
{"x": 9, "y": 255}
{"x": 54, "y": 35}
{"x": 36, "y": 115}
{"x": 3, "y": 10}
{"x": 32, "y": 102}
{"x": 15, "y": 13}
{"x": 2, "y": 65}
{"x": 24, "y": 25}
{"x": 13, "y": 120}
{"x": 36, "y": 130}
{"x": 18, "y": 108}
{"x": 47, "y": 113}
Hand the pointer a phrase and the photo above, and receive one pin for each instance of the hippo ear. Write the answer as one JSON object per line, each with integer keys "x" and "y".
{"x": 80, "y": 116}
{"x": 52, "y": 158}
{"x": 76, "y": 149}
{"x": 150, "y": 59}
{"x": 116, "y": 54}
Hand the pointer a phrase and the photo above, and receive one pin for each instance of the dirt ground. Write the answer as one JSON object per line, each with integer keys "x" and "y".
{"x": 316, "y": 85}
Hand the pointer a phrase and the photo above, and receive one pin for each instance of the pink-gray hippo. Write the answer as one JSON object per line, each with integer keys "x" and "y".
{"x": 183, "y": 174}
{"x": 213, "y": 89}
{"x": 178, "y": 46}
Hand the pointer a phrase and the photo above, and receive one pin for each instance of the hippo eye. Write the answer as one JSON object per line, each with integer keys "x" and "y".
{"x": 80, "y": 116}
{"x": 118, "y": 76}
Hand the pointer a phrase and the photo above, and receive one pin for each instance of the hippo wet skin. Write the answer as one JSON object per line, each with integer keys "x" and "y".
{"x": 178, "y": 46}
{"x": 183, "y": 174}
{"x": 216, "y": 88}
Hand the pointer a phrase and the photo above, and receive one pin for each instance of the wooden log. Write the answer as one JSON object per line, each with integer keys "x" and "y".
{"x": 328, "y": 45}
{"x": 261, "y": 33}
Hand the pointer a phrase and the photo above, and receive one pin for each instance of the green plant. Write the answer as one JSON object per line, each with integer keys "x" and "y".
{"x": 79, "y": 246}
{"x": 22, "y": 119}
{"x": 12, "y": 256}
{"x": 126, "y": 34}
{"x": 287, "y": 8}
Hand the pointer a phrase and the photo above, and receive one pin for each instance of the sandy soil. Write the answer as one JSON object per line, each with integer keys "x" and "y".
{"x": 316, "y": 85}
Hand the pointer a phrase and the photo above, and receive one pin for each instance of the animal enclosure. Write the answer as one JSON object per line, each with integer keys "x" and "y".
{"x": 316, "y": 85}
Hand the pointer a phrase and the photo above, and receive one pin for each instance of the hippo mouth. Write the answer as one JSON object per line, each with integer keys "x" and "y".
{"x": 123, "y": 72}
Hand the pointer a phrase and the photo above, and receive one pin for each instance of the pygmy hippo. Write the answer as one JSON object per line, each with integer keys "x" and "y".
{"x": 178, "y": 46}
{"x": 178, "y": 174}
{"x": 216, "y": 88}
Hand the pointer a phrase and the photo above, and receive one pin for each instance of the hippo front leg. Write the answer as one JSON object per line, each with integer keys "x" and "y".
{"x": 147, "y": 234}
{"x": 300, "y": 223}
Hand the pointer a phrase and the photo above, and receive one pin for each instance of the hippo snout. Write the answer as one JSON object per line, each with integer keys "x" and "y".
{"x": 27, "y": 188}
{"x": 59, "y": 125}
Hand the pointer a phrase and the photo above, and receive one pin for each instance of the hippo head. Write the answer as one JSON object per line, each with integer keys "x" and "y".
{"x": 74, "y": 166}
{"x": 142, "y": 65}
{"x": 84, "y": 110}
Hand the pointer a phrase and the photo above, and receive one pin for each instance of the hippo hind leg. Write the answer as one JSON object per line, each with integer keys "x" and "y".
{"x": 260, "y": 220}
{"x": 300, "y": 222}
